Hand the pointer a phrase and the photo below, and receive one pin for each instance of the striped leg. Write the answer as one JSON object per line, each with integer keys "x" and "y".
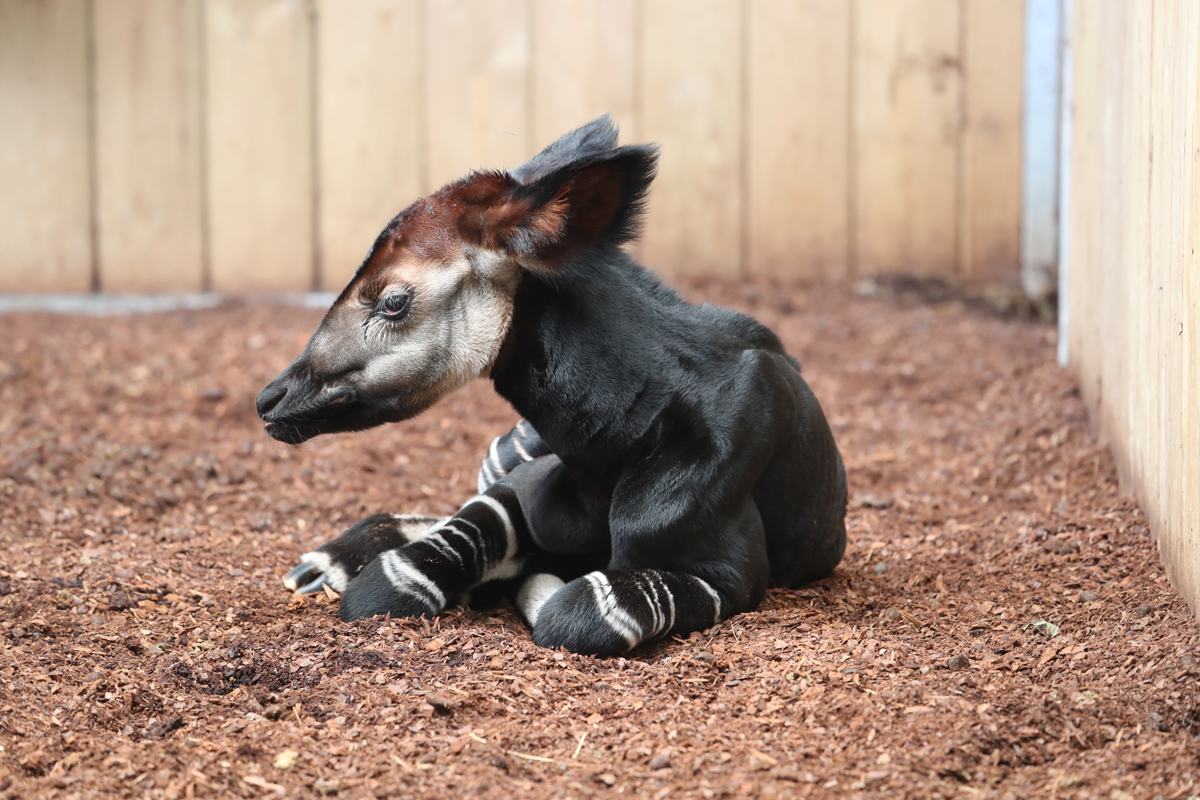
{"x": 337, "y": 562}
{"x": 518, "y": 446}
{"x": 612, "y": 611}
{"x": 487, "y": 540}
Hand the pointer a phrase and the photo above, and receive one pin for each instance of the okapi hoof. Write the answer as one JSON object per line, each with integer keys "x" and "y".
{"x": 305, "y": 578}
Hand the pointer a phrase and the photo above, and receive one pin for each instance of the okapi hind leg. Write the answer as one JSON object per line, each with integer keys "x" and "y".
{"x": 337, "y": 562}
{"x": 610, "y": 612}
{"x": 486, "y": 541}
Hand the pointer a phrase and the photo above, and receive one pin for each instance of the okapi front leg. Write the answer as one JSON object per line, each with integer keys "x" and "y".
{"x": 487, "y": 540}
{"x": 612, "y": 611}
{"x": 337, "y": 562}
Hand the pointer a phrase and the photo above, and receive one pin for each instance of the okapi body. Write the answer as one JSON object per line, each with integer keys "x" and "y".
{"x": 671, "y": 463}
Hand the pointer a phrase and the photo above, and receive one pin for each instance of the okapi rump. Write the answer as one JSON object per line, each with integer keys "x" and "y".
{"x": 671, "y": 463}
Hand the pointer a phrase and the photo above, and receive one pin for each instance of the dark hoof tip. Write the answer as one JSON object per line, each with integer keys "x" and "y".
{"x": 298, "y": 580}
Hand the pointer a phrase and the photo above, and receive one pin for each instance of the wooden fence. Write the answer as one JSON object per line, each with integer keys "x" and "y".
{"x": 152, "y": 145}
{"x": 1132, "y": 266}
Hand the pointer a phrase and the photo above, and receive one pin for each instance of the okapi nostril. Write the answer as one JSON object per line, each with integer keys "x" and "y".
{"x": 269, "y": 398}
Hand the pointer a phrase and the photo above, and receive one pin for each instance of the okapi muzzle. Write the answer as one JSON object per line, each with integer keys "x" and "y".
{"x": 352, "y": 376}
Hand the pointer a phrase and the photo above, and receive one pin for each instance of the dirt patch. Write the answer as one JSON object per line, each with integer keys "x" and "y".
{"x": 1000, "y": 626}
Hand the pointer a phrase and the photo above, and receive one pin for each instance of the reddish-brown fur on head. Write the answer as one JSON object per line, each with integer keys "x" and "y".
{"x": 494, "y": 211}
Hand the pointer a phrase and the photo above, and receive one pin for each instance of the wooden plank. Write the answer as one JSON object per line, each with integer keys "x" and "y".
{"x": 798, "y": 138}
{"x": 148, "y": 160}
{"x": 1188, "y": 512}
{"x": 1134, "y": 270}
{"x": 584, "y": 65}
{"x": 477, "y": 87}
{"x": 906, "y": 115}
{"x": 1134, "y": 291}
{"x": 369, "y": 85}
{"x": 45, "y": 208}
{"x": 1173, "y": 47}
{"x": 690, "y": 99}
{"x": 260, "y": 146}
{"x": 990, "y": 206}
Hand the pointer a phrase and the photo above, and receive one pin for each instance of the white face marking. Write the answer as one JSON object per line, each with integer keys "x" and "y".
{"x": 460, "y": 315}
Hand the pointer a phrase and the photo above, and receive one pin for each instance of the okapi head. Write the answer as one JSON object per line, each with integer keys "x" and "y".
{"x": 431, "y": 304}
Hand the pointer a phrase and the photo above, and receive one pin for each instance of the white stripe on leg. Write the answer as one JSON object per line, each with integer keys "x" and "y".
{"x": 493, "y": 458}
{"x": 507, "y": 566}
{"x": 450, "y": 527}
{"x": 417, "y": 526}
{"x": 614, "y": 616}
{"x": 716, "y": 598}
{"x": 407, "y": 579}
{"x": 521, "y": 451}
{"x": 439, "y": 543}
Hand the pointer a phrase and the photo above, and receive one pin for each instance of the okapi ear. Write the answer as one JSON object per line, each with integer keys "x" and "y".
{"x": 559, "y": 216}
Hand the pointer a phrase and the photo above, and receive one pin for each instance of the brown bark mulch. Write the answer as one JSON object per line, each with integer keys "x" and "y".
{"x": 1000, "y": 626}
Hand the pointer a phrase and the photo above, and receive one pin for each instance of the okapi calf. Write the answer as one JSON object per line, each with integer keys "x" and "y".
{"x": 671, "y": 463}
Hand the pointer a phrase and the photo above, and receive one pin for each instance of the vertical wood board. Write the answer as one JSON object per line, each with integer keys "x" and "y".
{"x": 477, "y": 87}
{"x": 990, "y": 204}
{"x": 691, "y": 104}
{"x": 148, "y": 160}
{"x": 584, "y": 64}
{"x": 370, "y": 108}
{"x": 45, "y": 207}
{"x": 798, "y": 138}
{"x": 906, "y": 138}
{"x": 1187, "y": 579}
{"x": 260, "y": 144}
{"x": 1134, "y": 228}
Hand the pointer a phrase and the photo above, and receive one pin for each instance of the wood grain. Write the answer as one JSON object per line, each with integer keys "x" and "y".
{"x": 477, "y": 87}
{"x": 907, "y": 113}
{"x": 260, "y": 144}
{"x": 690, "y": 100}
{"x": 370, "y": 90}
{"x": 45, "y": 208}
{"x": 1134, "y": 231}
{"x": 798, "y": 147}
{"x": 148, "y": 145}
{"x": 990, "y": 204}
{"x": 584, "y": 65}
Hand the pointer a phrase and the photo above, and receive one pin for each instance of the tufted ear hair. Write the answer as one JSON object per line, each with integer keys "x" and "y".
{"x": 551, "y": 218}
{"x": 582, "y": 205}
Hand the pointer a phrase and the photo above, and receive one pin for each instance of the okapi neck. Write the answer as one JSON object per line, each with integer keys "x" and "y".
{"x": 583, "y": 359}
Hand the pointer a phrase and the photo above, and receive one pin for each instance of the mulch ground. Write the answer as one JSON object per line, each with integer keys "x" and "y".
{"x": 1000, "y": 626}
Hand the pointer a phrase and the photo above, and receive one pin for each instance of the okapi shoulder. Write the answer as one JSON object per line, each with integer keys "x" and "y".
{"x": 711, "y": 445}
{"x": 756, "y": 395}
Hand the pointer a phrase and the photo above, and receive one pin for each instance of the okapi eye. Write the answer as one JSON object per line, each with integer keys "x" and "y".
{"x": 395, "y": 305}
